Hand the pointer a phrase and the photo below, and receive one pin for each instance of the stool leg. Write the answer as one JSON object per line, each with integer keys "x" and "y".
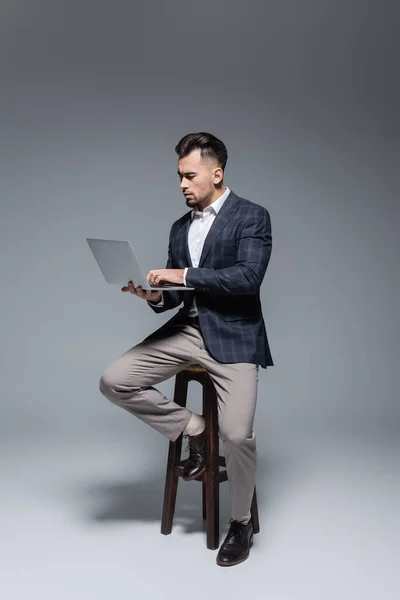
{"x": 212, "y": 462}
{"x": 174, "y": 455}
{"x": 171, "y": 486}
{"x": 254, "y": 512}
{"x": 204, "y": 500}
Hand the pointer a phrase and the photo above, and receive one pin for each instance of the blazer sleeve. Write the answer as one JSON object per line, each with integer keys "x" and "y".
{"x": 170, "y": 299}
{"x": 252, "y": 258}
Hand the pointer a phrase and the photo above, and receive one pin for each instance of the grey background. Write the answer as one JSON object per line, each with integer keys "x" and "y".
{"x": 94, "y": 97}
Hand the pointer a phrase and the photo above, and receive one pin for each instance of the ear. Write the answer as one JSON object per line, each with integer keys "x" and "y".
{"x": 218, "y": 175}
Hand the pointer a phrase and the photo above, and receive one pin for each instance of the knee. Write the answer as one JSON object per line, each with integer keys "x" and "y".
{"x": 110, "y": 386}
{"x": 238, "y": 436}
{"x": 107, "y": 385}
{"x": 116, "y": 383}
{"x": 104, "y": 383}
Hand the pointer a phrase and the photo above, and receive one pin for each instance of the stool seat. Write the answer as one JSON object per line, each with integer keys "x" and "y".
{"x": 213, "y": 475}
{"x": 195, "y": 369}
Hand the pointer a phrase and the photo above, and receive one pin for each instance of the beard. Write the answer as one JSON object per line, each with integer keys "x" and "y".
{"x": 195, "y": 201}
{"x": 191, "y": 201}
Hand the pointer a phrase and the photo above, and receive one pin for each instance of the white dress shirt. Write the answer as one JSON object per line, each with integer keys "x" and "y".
{"x": 200, "y": 225}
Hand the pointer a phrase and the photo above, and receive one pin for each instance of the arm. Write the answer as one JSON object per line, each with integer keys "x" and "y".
{"x": 160, "y": 303}
{"x": 252, "y": 258}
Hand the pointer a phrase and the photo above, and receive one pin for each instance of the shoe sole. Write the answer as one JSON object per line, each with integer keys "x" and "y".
{"x": 236, "y": 562}
{"x": 199, "y": 474}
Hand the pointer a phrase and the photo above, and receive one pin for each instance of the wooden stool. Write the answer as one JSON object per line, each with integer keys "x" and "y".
{"x": 213, "y": 476}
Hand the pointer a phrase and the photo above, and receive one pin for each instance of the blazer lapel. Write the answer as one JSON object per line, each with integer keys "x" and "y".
{"x": 185, "y": 239}
{"x": 227, "y": 211}
{"x": 228, "y": 208}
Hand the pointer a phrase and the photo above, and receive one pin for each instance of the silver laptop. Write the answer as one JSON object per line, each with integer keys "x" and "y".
{"x": 119, "y": 264}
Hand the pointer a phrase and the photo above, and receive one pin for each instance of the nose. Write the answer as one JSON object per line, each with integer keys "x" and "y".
{"x": 183, "y": 185}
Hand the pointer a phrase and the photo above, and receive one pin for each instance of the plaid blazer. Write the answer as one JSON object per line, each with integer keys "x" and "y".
{"x": 227, "y": 281}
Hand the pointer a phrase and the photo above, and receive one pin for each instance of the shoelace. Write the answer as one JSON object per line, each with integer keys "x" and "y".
{"x": 237, "y": 524}
{"x": 236, "y": 530}
{"x": 187, "y": 449}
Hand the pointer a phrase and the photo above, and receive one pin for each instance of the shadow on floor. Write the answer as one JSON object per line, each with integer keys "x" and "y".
{"x": 142, "y": 499}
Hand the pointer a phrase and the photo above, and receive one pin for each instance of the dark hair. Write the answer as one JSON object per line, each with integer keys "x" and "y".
{"x": 209, "y": 145}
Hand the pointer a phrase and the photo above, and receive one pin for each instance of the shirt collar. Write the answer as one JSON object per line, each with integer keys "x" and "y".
{"x": 214, "y": 207}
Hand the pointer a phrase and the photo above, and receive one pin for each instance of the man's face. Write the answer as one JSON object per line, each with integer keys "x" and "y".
{"x": 198, "y": 179}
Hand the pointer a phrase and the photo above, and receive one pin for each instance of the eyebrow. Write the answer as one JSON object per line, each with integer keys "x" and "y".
{"x": 187, "y": 173}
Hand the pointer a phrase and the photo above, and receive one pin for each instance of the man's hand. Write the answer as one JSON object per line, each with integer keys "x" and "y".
{"x": 152, "y": 296}
{"x": 165, "y": 276}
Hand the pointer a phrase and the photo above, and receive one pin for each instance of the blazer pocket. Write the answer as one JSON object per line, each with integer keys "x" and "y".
{"x": 234, "y": 317}
{"x": 225, "y": 243}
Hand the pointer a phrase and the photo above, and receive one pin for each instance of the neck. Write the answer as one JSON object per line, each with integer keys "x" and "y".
{"x": 217, "y": 193}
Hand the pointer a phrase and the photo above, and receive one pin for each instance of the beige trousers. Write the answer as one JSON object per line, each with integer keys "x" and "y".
{"x": 130, "y": 379}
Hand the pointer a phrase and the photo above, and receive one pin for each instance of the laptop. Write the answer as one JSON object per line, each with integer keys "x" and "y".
{"x": 119, "y": 264}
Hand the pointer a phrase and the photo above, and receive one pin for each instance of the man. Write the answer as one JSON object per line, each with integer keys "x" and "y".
{"x": 221, "y": 248}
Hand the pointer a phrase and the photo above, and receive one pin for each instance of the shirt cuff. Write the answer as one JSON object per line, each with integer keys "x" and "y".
{"x": 184, "y": 276}
{"x": 160, "y": 303}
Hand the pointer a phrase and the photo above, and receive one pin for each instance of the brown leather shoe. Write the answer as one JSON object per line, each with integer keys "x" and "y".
{"x": 236, "y": 546}
{"x": 195, "y": 464}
